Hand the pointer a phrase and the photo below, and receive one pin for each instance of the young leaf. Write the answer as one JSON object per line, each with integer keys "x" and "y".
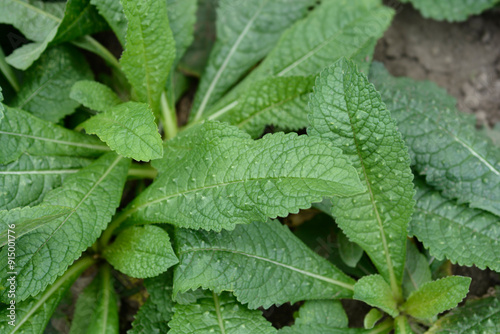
{"x": 217, "y": 314}
{"x": 150, "y": 49}
{"x": 471, "y": 235}
{"x": 348, "y": 111}
{"x": 141, "y": 252}
{"x": 32, "y": 315}
{"x": 436, "y": 297}
{"x": 417, "y": 271}
{"x": 223, "y": 181}
{"x": 129, "y": 129}
{"x": 93, "y": 194}
{"x": 27, "y": 219}
{"x": 25, "y": 181}
{"x": 94, "y": 95}
{"x": 444, "y": 144}
{"x": 477, "y": 316}
{"x": 371, "y": 318}
{"x": 45, "y": 92}
{"x": 96, "y": 308}
{"x": 112, "y": 12}
{"x": 375, "y": 291}
{"x": 288, "y": 270}
{"x": 349, "y": 252}
{"x": 21, "y": 132}
{"x": 246, "y": 32}
{"x": 451, "y": 10}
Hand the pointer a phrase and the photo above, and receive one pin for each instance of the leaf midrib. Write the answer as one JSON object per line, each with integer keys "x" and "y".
{"x": 33, "y": 8}
{"x": 218, "y": 312}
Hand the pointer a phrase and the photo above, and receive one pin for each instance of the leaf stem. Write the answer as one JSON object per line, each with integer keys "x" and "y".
{"x": 115, "y": 223}
{"x": 142, "y": 171}
{"x": 8, "y": 72}
{"x": 90, "y": 44}
{"x": 168, "y": 117}
{"x": 383, "y": 327}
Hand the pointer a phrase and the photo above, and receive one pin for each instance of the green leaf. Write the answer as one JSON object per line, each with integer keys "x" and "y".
{"x": 223, "y": 181}
{"x": 371, "y": 318}
{"x": 375, "y": 291}
{"x": 246, "y": 32}
{"x": 25, "y": 220}
{"x": 141, "y": 252}
{"x": 437, "y": 296}
{"x": 47, "y": 84}
{"x": 401, "y": 325}
{"x": 417, "y": 271}
{"x": 443, "y": 143}
{"x": 472, "y": 236}
{"x": 112, "y": 12}
{"x": 94, "y": 95}
{"x": 33, "y": 315}
{"x": 348, "y": 111}
{"x": 477, "y": 316}
{"x": 21, "y": 132}
{"x": 150, "y": 49}
{"x": 288, "y": 270}
{"x": 349, "y": 252}
{"x": 451, "y": 10}
{"x": 93, "y": 194}
{"x": 96, "y": 308}
{"x": 129, "y": 129}
{"x": 8, "y": 72}
{"x": 25, "y": 181}
{"x": 182, "y": 18}
{"x": 217, "y": 314}
{"x": 334, "y": 29}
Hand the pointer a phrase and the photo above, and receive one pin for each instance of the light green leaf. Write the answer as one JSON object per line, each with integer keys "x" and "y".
{"x": 288, "y": 270}
{"x": 477, "y": 316}
{"x": 218, "y": 314}
{"x": 26, "y": 220}
{"x": 451, "y": 10}
{"x": 96, "y": 308}
{"x": 94, "y": 95}
{"x": 129, "y": 129}
{"x": 223, "y": 181}
{"x": 349, "y": 252}
{"x": 25, "y": 181}
{"x": 150, "y": 49}
{"x": 112, "y": 12}
{"x": 443, "y": 143}
{"x": 375, "y": 291}
{"x": 437, "y": 296}
{"x": 246, "y": 32}
{"x": 348, "y": 111}
{"x": 182, "y": 18}
{"x": 33, "y": 315}
{"x": 46, "y": 87}
{"x": 21, "y": 132}
{"x": 472, "y": 236}
{"x": 93, "y": 194}
{"x": 8, "y": 73}
{"x": 335, "y": 29}
{"x": 141, "y": 252}
{"x": 417, "y": 271}
{"x": 371, "y": 318}
{"x": 401, "y": 325}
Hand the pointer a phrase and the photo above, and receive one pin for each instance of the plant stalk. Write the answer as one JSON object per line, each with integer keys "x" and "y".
{"x": 168, "y": 117}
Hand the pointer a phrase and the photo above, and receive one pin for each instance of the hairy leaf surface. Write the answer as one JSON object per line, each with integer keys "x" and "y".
{"x": 443, "y": 143}
{"x": 112, "y": 12}
{"x": 21, "y": 132}
{"x": 93, "y": 194}
{"x": 465, "y": 236}
{"x": 375, "y": 291}
{"x": 129, "y": 129}
{"x": 218, "y": 314}
{"x": 94, "y": 95}
{"x": 319, "y": 317}
{"x": 182, "y": 18}
{"x": 223, "y": 181}
{"x": 451, "y": 10}
{"x": 288, "y": 270}
{"x": 348, "y": 111}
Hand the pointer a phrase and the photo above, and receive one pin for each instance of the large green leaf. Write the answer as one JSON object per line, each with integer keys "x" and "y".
{"x": 21, "y": 132}
{"x": 44, "y": 254}
{"x": 94, "y": 95}
{"x": 33, "y": 315}
{"x": 46, "y": 87}
{"x": 348, "y": 111}
{"x": 444, "y": 145}
{"x": 221, "y": 181}
{"x": 182, "y": 18}
{"x": 288, "y": 270}
{"x": 129, "y": 129}
{"x": 451, "y": 10}
{"x": 246, "y": 32}
{"x": 218, "y": 314}
{"x": 150, "y": 49}
{"x": 26, "y": 181}
{"x": 112, "y": 12}
{"x": 141, "y": 252}
{"x": 472, "y": 236}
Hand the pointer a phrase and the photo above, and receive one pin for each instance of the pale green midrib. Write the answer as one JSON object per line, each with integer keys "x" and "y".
{"x": 279, "y": 264}
{"x": 401, "y": 325}
{"x": 33, "y": 8}
{"x": 40, "y": 172}
{"x": 53, "y": 289}
{"x": 233, "y": 49}
{"x": 63, "y": 142}
{"x": 218, "y": 312}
